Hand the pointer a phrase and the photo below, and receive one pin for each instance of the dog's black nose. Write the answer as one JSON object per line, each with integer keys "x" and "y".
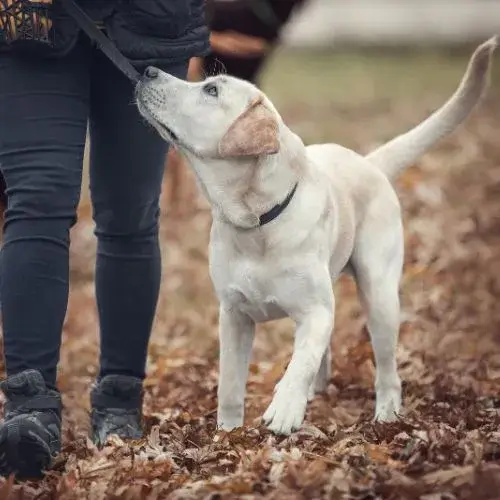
{"x": 151, "y": 72}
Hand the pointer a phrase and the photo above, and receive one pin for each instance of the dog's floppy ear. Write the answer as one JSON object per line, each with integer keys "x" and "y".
{"x": 253, "y": 133}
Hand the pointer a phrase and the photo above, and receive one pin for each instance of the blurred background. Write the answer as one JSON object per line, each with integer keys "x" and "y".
{"x": 392, "y": 22}
{"x": 357, "y": 73}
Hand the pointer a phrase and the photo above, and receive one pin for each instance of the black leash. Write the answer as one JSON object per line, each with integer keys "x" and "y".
{"x": 102, "y": 41}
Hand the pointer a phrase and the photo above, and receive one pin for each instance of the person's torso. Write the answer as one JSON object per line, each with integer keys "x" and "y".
{"x": 150, "y": 31}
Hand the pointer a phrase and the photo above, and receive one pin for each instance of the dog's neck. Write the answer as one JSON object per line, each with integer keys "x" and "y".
{"x": 240, "y": 190}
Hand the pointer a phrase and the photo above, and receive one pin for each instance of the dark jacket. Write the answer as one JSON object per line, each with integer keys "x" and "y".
{"x": 146, "y": 31}
{"x": 155, "y": 31}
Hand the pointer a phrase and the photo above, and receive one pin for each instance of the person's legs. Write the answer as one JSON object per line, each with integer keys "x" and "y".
{"x": 127, "y": 159}
{"x": 43, "y": 117}
{"x": 3, "y": 195}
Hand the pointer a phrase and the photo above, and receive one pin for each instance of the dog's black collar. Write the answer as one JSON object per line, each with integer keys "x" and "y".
{"x": 277, "y": 209}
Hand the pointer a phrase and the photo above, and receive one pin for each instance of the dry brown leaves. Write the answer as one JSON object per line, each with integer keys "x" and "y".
{"x": 447, "y": 444}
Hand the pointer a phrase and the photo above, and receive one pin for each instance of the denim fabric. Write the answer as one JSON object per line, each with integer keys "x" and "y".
{"x": 45, "y": 106}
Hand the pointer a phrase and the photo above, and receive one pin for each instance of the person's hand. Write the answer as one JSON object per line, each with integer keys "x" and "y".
{"x": 236, "y": 44}
{"x": 195, "y": 69}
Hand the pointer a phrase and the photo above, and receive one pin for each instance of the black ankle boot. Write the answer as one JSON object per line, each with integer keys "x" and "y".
{"x": 30, "y": 435}
{"x": 116, "y": 408}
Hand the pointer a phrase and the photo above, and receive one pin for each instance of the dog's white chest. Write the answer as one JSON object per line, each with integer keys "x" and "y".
{"x": 267, "y": 310}
{"x": 254, "y": 291}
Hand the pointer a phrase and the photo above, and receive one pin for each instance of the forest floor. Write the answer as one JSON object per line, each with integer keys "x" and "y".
{"x": 447, "y": 443}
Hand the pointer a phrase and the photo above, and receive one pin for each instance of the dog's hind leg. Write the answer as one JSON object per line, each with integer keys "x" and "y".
{"x": 236, "y": 334}
{"x": 377, "y": 262}
{"x": 324, "y": 374}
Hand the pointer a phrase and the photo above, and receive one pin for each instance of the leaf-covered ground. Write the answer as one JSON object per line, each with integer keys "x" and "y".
{"x": 447, "y": 444}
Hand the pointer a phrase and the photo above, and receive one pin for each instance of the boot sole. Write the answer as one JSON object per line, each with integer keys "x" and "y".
{"x": 23, "y": 452}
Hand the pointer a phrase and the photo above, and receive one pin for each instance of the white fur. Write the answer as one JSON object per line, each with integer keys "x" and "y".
{"x": 345, "y": 216}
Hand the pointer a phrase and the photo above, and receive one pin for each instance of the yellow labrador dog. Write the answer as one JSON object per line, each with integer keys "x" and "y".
{"x": 288, "y": 219}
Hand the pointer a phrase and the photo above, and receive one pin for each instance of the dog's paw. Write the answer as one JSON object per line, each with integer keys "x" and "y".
{"x": 286, "y": 411}
{"x": 386, "y": 415}
{"x": 229, "y": 418}
{"x": 388, "y": 405}
{"x": 228, "y": 425}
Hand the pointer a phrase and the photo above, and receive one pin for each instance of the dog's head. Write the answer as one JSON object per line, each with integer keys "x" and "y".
{"x": 221, "y": 117}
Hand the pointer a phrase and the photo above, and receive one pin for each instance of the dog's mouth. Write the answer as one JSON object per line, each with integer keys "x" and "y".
{"x": 168, "y": 131}
{"x": 145, "y": 110}
{"x": 159, "y": 125}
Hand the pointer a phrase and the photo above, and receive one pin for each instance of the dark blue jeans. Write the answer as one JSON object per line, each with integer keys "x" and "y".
{"x": 45, "y": 106}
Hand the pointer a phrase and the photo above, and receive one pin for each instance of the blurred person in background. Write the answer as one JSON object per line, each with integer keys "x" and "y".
{"x": 243, "y": 36}
{"x": 46, "y": 102}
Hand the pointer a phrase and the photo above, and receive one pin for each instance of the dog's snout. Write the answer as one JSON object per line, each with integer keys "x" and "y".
{"x": 151, "y": 72}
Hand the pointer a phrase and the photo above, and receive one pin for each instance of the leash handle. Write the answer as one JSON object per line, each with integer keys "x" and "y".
{"x": 102, "y": 41}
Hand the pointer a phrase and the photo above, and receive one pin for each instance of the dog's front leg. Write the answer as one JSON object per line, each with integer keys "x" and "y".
{"x": 236, "y": 333}
{"x": 287, "y": 409}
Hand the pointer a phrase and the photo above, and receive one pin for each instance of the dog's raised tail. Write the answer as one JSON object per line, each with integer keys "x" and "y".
{"x": 399, "y": 153}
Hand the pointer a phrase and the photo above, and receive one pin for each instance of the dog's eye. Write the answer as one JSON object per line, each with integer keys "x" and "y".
{"x": 211, "y": 89}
